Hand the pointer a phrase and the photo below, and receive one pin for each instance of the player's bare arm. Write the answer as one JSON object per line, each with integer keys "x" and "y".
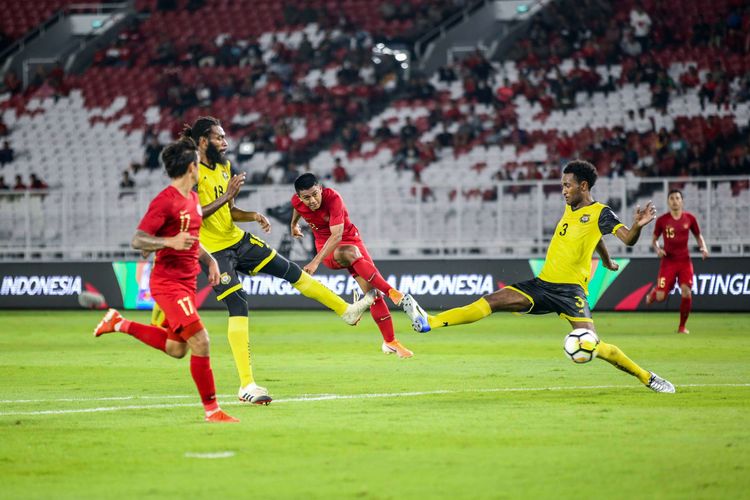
{"x": 295, "y": 229}
{"x": 330, "y": 245}
{"x": 655, "y": 243}
{"x": 213, "y": 267}
{"x": 702, "y": 248}
{"x": 150, "y": 243}
{"x": 239, "y": 215}
{"x": 233, "y": 188}
{"x": 642, "y": 217}
{"x": 603, "y": 251}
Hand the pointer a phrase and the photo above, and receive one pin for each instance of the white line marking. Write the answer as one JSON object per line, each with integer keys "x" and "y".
{"x": 217, "y": 454}
{"x": 314, "y": 397}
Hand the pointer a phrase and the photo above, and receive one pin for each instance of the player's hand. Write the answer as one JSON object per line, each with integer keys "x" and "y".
{"x": 235, "y": 183}
{"x": 182, "y": 241}
{"x": 644, "y": 216}
{"x": 145, "y": 254}
{"x": 611, "y": 265}
{"x": 704, "y": 253}
{"x": 297, "y": 231}
{"x": 213, "y": 273}
{"x": 311, "y": 267}
{"x": 661, "y": 253}
{"x": 261, "y": 219}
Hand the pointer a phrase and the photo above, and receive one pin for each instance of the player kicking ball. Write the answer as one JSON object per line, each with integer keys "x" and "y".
{"x": 339, "y": 246}
{"x": 561, "y": 286}
{"x": 171, "y": 228}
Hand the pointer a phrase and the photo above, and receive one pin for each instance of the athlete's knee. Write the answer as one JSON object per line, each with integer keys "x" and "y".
{"x": 236, "y": 303}
{"x": 661, "y": 296}
{"x": 347, "y": 254}
{"x": 293, "y": 273}
{"x": 199, "y": 343}
{"x": 176, "y": 349}
{"x": 686, "y": 293}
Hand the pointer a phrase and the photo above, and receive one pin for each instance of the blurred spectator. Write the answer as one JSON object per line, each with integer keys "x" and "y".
{"x": 7, "y": 154}
{"x": 152, "y": 153}
{"x": 408, "y": 131}
{"x": 640, "y": 21}
{"x": 12, "y": 83}
{"x": 383, "y": 133}
{"x": 19, "y": 186}
{"x": 126, "y": 182}
{"x": 339, "y": 173}
{"x": 3, "y": 185}
{"x": 37, "y": 183}
{"x": 3, "y": 128}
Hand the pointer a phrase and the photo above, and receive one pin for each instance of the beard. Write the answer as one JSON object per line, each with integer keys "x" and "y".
{"x": 214, "y": 156}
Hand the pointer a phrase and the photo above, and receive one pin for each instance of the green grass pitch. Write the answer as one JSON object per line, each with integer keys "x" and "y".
{"x": 489, "y": 410}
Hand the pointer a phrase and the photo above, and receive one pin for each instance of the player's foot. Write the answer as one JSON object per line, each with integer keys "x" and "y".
{"x": 683, "y": 330}
{"x": 354, "y": 311}
{"x": 396, "y": 347}
{"x": 108, "y": 323}
{"x": 416, "y": 314}
{"x": 651, "y": 296}
{"x": 658, "y": 384}
{"x": 220, "y": 417}
{"x": 254, "y": 394}
{"x": 395, "y": 296}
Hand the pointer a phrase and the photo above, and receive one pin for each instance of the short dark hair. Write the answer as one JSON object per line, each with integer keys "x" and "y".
{"x": 178, "y": 156}
{"x": 305, "y": 181}
{"x": 201, "y": 128}
{"x": 675, "y": 190}
{"x": 582, "y": 171}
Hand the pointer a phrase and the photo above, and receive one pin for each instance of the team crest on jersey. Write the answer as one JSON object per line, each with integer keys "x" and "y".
{"x": 226, "y": 176}
{"x": 585, "y": 218}
{"x": 225, "y": 279}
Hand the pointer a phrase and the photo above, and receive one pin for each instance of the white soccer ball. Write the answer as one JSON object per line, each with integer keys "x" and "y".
{"x": 581, "y": 345}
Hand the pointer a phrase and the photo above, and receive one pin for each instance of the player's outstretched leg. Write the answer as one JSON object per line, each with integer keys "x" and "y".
{"x": 614, "y": 356}
{"x": 150, "y": 335}
{"x": 367, "y": 271}
{"x": 422, "y": 322}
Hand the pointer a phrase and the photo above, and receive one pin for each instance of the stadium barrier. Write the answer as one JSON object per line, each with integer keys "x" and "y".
{"x": 720, "y": 284}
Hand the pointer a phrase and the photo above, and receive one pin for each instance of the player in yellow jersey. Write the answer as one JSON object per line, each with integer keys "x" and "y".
{"x": 235, "y": 250}
{"x": 562, "y": 284}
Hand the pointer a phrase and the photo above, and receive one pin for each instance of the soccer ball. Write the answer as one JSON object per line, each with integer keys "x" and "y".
{"x": 581, "y": 345}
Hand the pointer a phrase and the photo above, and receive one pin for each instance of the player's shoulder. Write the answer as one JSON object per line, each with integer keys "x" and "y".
{"x": 330, "y": 194}
{"x": 295, "y": 200}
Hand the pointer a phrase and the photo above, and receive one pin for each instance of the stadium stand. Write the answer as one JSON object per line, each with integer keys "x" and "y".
{"x": 639, "y": 93}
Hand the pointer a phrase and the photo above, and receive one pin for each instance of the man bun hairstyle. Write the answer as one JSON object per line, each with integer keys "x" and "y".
{"x": 582, "y": 171}
{"x": 178, "y": 156}
{"x": 305, "y": 181}
{"x": 201, "y": 128}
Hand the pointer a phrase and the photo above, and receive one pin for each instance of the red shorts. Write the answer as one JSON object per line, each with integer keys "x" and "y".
{"x": 331, "y": 263}
{"x": 177, "y": 299}
{"x": 670, "y": 270}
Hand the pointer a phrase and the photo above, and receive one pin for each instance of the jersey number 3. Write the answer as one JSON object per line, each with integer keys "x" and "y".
{"x": 564, "y": 229}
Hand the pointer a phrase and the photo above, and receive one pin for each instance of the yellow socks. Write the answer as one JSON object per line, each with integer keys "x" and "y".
{"x": 239, "y": 341}
{"x": 314, "y": 289}
{"x": 614, "y": 356}
{"x": 460, "y": 315}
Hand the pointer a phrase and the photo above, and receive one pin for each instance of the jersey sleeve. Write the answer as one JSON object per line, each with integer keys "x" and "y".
{"x": 335, "y": 210}
{"x": 694, "y": 228}
{"x": 608, "y": 221}
{"x": 658, "y": 227}
{"x": 155, "y": 216}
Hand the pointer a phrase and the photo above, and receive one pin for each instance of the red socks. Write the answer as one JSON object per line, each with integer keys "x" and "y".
{"x": 368, "y": 271}
{"x": 685, "y": 306}
{"x": 200, "y": 369}
{"x": 382, "y": 317}
{"x": 150, "y": 335}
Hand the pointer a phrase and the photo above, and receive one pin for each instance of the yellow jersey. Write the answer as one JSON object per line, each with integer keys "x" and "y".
{"x": 218, "y": 231}
{"x": 576, "y": 236}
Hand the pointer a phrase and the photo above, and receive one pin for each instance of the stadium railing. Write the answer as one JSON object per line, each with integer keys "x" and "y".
{"x": 503, "y": 219}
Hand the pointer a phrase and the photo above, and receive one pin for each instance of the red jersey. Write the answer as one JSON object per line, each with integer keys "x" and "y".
{"x": 168, "y": 214}
{"x": 676, "y": 233}
{"x": 332, "y": 212}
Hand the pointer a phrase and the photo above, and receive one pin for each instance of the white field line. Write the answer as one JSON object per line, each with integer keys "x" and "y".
{"x": 304, "y": 398}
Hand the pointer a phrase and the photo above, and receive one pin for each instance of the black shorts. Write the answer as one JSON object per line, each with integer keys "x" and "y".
{"x": 567, "y": 300}
{"x": 248, "y": 256}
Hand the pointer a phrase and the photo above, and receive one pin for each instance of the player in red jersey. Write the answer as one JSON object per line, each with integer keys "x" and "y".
{"x": 170, "y": 228}
{"x": 339, "y": 246}
{"x": 675, "y": 227}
